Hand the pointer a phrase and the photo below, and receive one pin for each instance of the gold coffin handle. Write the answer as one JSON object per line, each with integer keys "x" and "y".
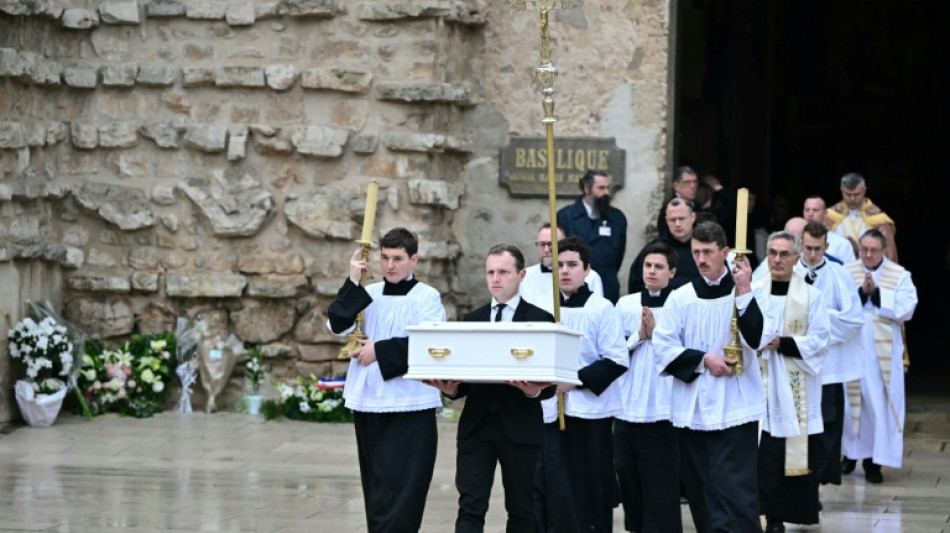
{"x": 439, "y": 353}
{"x": 521, "y": 353}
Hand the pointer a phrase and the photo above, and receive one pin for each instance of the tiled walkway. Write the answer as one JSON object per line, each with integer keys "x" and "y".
{"x": 230, "y": 472}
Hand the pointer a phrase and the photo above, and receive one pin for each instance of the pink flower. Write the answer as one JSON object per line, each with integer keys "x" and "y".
{"x": 96, "y": 386}
{"x": 131, "y": 383}
{"x": 110, "y": 370}
{"x": 120, "y": 394}
{"x": 127, "y": 370}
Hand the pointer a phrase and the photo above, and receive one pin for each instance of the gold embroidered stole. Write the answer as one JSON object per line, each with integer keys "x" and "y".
{"x": 797, "y": 305}
{"x": 883, "y": 341}
{"x": 853, "y": 227}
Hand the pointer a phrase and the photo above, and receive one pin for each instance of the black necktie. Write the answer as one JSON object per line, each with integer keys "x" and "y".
{"x": 500, "y": 308}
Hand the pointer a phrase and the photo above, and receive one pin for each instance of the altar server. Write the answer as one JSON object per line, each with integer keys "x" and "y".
{"x": 394, "y": 418}
{"x": 717, "y": 412}
{"x": 646, "y": 453}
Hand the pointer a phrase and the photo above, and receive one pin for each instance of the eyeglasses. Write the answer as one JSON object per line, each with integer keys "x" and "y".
{"x": 543, "y": 244}
{"x": 784, "y": 254}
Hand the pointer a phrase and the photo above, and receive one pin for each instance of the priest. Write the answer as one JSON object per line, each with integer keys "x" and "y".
{"x": 537, "y": 286}
{"x": 791, "y": 373}
{"x": 394, "y": 418}
{"x": 876, "y": 403}
{"x": 715, "y": 410}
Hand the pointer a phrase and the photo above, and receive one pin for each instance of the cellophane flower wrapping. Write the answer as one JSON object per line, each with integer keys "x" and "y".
{"x": 187, "y": 338}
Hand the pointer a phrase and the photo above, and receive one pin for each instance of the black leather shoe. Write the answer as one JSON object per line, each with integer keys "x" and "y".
{"x": 848, "y": 465}
{"x": 773, "y": 525}
{"x": 872, "y": 472}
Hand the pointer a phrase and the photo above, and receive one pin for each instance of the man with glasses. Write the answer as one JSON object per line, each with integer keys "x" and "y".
{"x": 876, "y": 402}
{"x": 681, "y": 218}
{"x": 536, "y": 286}
{"x": 685, "y": 183}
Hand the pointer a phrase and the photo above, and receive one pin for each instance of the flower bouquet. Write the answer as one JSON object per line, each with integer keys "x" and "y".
{"x": 44, "y": 348}
{"x": 311, "y": 399}
{"x": 130, "y": 380}
{"x": 253, "y": 377}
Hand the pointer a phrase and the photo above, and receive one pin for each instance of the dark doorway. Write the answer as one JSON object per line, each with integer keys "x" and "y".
{"x": 785, "y": 97}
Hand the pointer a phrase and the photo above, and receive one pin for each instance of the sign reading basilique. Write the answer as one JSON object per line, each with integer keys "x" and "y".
{"x": 524, "y": 164}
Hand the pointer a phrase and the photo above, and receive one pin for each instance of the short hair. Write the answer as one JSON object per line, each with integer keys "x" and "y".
{"x": 682, "y": 171}
{"x": 816, "y": 230}
{"x": 788, "y": 236}
{"x": 547, "y": 225}
{"x": 588, "y": 179}
{"x": 676, "y": 202}
{"x": 575, "y": 244}
{"x": 401, "y": 238}
{"x": 816, "y": 197}
{"x": 663, "y": 249}
{"x": 852, "y": 180}
{"x": 500, "y": 249}
{"x": 875, "y": 234}
{"x": 704, "y": 193}
{"x": 710, "y": 232}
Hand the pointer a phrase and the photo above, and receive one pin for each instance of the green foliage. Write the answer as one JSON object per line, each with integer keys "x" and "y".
{"x": 309, "y": 400}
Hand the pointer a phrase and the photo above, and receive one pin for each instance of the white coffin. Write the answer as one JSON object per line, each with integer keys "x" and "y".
{"x": 492, "y": 352}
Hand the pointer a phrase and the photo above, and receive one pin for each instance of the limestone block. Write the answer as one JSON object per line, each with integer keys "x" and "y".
{"x": 10, "y": 64}
{"x": 320, "y": 141}
{"x": 51, "y": 9}
{"x": 315, "y": 358}
{"x": 38, "y": 69}
{"x": 308, "y": 8}
{"x": 277, "y": 286}
{"x": 42, "y": 133}
{"x": 206, "y": 10}
{"x": 210, "y": 138}
{"x": 92, "y": 281}
{"x": 119, "y": 75}
{"x": 237, "y": 76}
{"x": 144, "y": 258}
{"x": 165, "y": 134}
{"x": 263, "y": 323}
{"x": 414, "y": 142}
{"x": 337, "y": 79}
{"x": 263, "y": 130}
{"x": 274, "y": 146}
{"x": 350, "y": 114}
{"x": 441, "y": 250}
{"x": 281, "y": 77}
{"x": 255, "y": 263}
{"x": 457, "y": 94}
{"x": 276, "y": 349}
{"x": 144, "y": 281}
{"x": 74, "y": 258}
{"x": 433, "y": 192}
{"x": 132, "y": 164}
{"x": 204, "y": 285}
{"x": 237, "y": 143}
{"x": 170, "y": 221}
{"x": 81, "y": 77}
{"x": 101, "y": 317}
{"x": 164, "y": 8}
{"x": 118, "y": 135}
{"x": 163, "y": 194}
{"x": 452, "y": 10}
{"x": 312, "y": 328}
{"x": 79, "y": 19}
{"x": 197, "y": 76}
{"x": 289, "y": 264}
{"x": 15, "y": 8}
{"x": 156, "y": 318}
{"x": 365, "y": 144}
{"x": 325, "y": 213}
{"x": 84, "y": 136}
{"x": 392, "y": 198}
{"x": 119, "y": 12}
{"x": 126, "y": 207}
{"x": 240, "y": 209}
{"x": 156, "y": 76}
{"x": 240, "y": 14}
{"x": 12, "y": 135}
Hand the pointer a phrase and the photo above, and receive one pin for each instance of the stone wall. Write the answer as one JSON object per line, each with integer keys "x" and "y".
{"x": 176, "y": 157}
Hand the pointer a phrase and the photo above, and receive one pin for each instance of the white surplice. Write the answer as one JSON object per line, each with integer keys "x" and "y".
{"x": 599, "y": 322}
{"x": 536, "y": 287}
{"x": 709, "y": 403}
{"x": 387, "y": 317}
{"x": 645, "y": 394}
{"x": 880, "y": 435}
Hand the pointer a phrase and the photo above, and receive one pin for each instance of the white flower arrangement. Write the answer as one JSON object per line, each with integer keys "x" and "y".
{"x": 45, "y": 350}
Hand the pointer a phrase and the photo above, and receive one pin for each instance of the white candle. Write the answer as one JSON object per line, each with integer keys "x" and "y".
{"x": 742, "y": 218}
{"x": 369, "y": 214}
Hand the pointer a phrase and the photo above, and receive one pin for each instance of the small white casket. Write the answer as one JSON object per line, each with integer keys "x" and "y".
{"x": 493, "y": 352}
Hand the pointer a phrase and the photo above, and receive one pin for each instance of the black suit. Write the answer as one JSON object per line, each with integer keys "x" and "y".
{"x": 499, "y": 424}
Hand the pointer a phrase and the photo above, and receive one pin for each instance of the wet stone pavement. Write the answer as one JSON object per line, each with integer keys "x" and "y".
{"x": 233, "y": 472}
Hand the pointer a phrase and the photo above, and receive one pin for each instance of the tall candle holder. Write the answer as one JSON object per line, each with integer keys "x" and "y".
{"x": 733, "y": 350}
{"x": 365, "y": 242}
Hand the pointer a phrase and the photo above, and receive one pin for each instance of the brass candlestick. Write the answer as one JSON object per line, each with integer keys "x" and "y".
{"x": 733, "y": 351}
{"x": 547, "y": 73}
{"x": 357, "y": 333}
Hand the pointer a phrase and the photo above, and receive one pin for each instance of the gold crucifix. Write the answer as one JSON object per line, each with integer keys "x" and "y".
{"x": 795, "y": 327}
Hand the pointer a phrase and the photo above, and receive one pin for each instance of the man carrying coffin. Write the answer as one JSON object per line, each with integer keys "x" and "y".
{"x": 500, "y": 423}
{"x": 791, "y": 373}
{"x": 537, "y": 287}
{"x": 583, "y": 453}
{"x": 394, "y": 418}
{"x": 646, "y": 454}
{"x": 716, "y": 410}
{"x": 843, "y": 360}
{"x": 888, "y": 297}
